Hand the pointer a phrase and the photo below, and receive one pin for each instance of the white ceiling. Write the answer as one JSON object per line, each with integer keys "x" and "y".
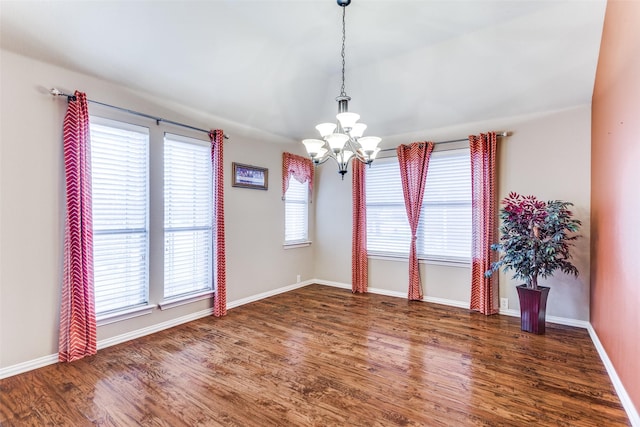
{"x": 275, "y": 65}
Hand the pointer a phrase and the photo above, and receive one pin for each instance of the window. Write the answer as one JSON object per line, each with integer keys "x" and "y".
{"x": 444, "y": 232}
{"x": 119, "y": 163}
{"x": 296, "y": 212}
{"x": 188, "y": 216}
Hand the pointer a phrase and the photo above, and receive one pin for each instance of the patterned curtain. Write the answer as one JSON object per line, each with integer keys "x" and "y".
{"x": 484, "y": 290}
{"x": 414, "y": 162}
{"x": 219, "y": 267}
{"x": 77, "y": 337}
{"x": 301, "y": 168}
{"x": 359, "y": 260}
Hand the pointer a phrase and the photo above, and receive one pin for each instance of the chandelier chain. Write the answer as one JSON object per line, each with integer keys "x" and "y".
{"x": 342, "y": 141}
{"x": 344, "y": 37}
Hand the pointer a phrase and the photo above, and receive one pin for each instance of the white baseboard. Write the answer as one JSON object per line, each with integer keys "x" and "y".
{"x": 29, "y": 365}
{"x": 624, "y": 397}
{"x": 509, "y": 312}
{"x": 551, "y": 319}
{"x": 378, "y": 291}
{"x": 138, "y": 333}
{"x": 258, "y": 297}
{"x": 449, "y": 302}
{"x": 568, "y": 322}
{"x": 396, "y": 294}
{"x": 452, "y": 303}
{"x": 330, "y": 283}
{"x": 53, "y": 358}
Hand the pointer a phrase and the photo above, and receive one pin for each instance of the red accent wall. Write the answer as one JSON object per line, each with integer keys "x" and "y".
{"x": 615, "y": 193}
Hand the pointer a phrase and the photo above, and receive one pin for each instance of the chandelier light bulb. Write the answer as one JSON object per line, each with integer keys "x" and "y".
{"x": 313, "y": 146}
{"x": 326, "y": 129}
{"x": 369, "y": 143}
{"x": 321, "y": 152}
{"x": 336, "y": 141}
{"x": 357, "y": 130}
{"x": 371, "y": 157}
{"x": 348, "y": 120}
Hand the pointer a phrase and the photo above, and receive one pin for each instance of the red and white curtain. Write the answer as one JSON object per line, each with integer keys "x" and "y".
{"x": 484, "y": 290}
{"x": 359, "y": 260}
{"x": 414, "y": 163}
{"x": 77, "y": 335}
{"x": 219, "y": 269}
{"x": 301, "y": 168}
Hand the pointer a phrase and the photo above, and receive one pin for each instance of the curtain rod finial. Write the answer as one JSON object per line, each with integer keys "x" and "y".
{"x": 55, "y": 92}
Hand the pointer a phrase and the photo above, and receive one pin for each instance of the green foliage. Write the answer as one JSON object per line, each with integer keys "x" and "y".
{"x": 535, "y": 238}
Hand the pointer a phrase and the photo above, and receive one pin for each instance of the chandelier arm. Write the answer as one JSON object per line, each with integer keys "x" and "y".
{"x": 326, "y": 157}
{"x": 335, "y": 158}
{"x": 353, "y": 145}
{"x": 361, "y": 158}
{"x": 356, "y": 152}
{"x": 346, "y": 166}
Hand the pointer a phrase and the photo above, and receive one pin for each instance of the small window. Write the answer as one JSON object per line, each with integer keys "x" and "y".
{"x": 444, "y": 232}
{"x": 188, "y": 216}
{"x": 119, "y": 163}
{"x": 296, "y": 212}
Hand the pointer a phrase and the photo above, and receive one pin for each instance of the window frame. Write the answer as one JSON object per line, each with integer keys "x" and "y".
{"x": 144, "y": 307}
{"x": 422, "y": 256}
{"x": 305, "y": 240}
{"x": 174, "y": 300}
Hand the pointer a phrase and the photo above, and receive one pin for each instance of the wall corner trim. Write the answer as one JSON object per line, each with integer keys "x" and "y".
{"x": 624, "y": 397}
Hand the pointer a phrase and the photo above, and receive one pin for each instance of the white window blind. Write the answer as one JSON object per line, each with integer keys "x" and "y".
{"x": 296, "y": 212}
{"x": 188, "y": 216}
{"x": 444, "y": 232}
{"x": 119, "y": 163}
{"x": 445, "y": 220}
{"x": 388, "y": 231}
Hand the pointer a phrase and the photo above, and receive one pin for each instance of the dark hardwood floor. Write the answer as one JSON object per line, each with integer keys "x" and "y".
{"x": 321, "y": 356}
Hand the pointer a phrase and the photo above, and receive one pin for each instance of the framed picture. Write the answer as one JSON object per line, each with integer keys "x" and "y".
{"x": 247, "y": 176}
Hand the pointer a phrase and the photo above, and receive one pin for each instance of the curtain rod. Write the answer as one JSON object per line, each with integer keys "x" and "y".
{"x": 56, "y": 92}
{"x": 503, "y": 133}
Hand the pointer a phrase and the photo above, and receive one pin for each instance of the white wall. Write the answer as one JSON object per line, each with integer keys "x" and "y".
{"x": 548, "y": 155}
{"x": 32, "y": 205}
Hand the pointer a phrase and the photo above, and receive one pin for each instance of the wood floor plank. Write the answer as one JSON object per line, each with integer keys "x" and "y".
{"x": 321, "y": 356}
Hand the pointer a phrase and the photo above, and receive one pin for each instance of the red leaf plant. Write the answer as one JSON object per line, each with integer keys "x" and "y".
{"x": 535, "y": 238}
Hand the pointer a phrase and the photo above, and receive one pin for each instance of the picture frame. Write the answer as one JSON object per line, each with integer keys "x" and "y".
{"x": 249, "y": 176}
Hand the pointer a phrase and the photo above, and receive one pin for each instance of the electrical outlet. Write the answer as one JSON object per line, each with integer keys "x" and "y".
{"x": 298, "y": 278}
{"x": 504, "y": 303}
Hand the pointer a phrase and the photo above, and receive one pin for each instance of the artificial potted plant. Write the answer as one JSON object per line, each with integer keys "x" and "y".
{"x": 535, "y": 239}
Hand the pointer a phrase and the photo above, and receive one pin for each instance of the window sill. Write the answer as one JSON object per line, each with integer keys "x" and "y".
{"x": 431, "y": 261}
{"x": 447, "y": 262}
{"x": 296, "y": 245}
{"x": 185, "y": 299}
{"x": 118, "y": 316}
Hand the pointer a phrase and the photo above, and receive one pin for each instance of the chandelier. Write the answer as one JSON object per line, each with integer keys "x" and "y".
{"x": 343, "y": 141}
